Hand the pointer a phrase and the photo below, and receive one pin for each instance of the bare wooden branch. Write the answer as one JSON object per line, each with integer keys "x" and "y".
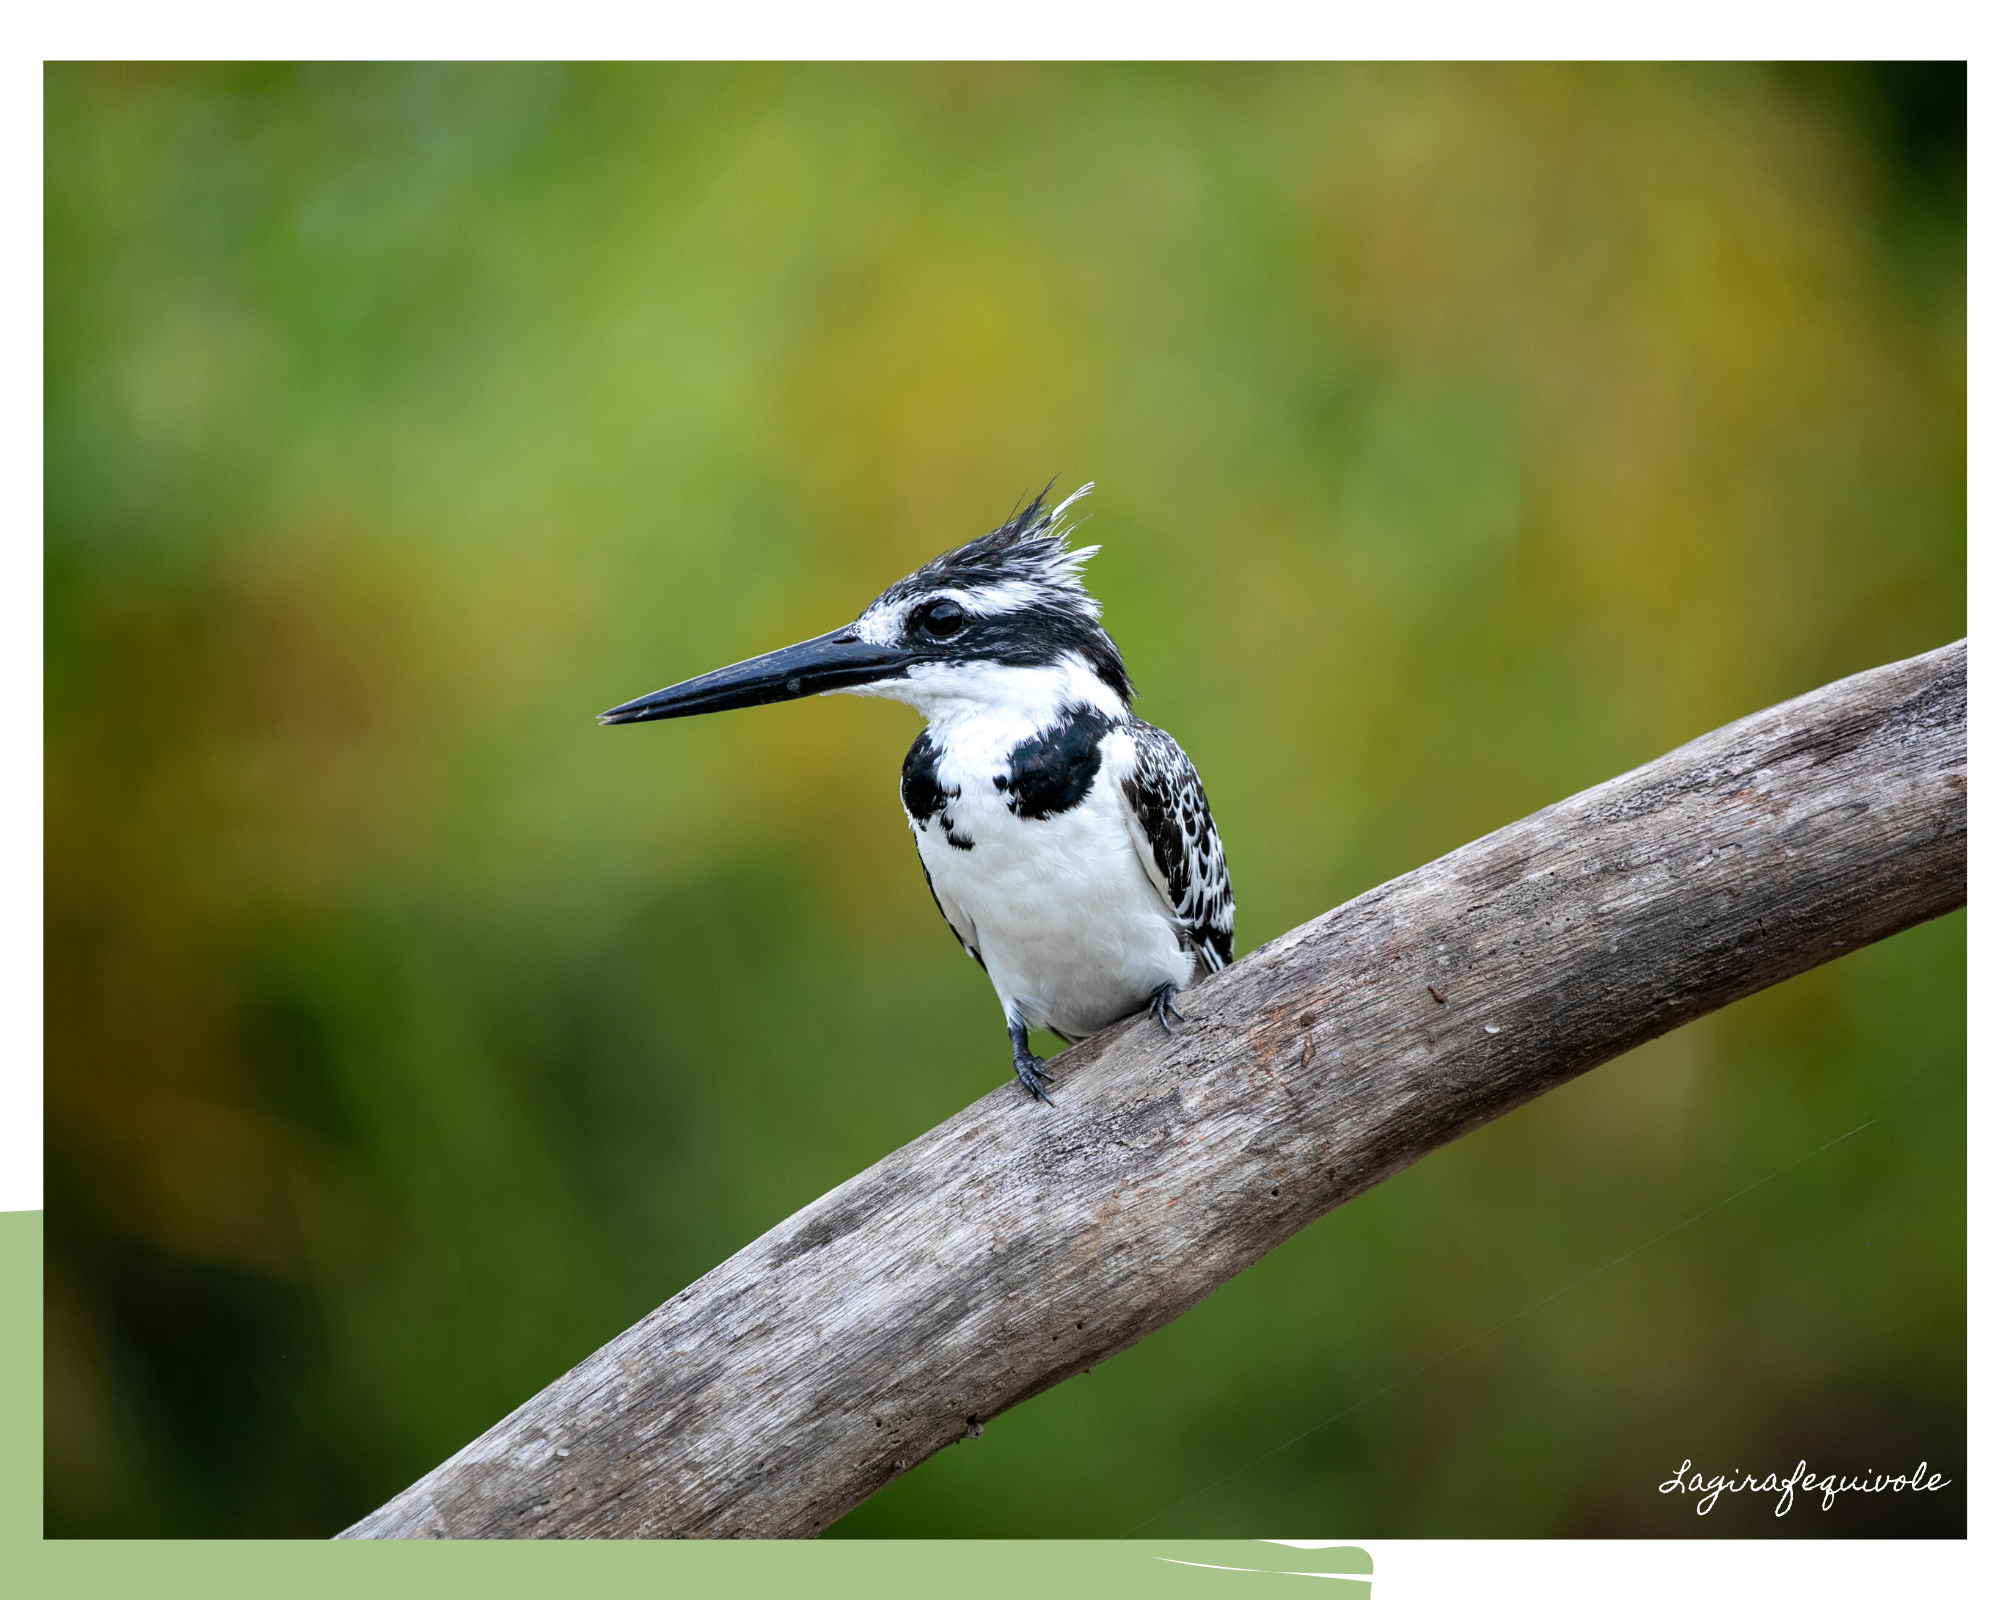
{"x": 1017, "y": 1245}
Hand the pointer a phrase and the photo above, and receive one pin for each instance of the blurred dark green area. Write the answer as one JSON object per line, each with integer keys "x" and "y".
{"x": 1463, "y": 437}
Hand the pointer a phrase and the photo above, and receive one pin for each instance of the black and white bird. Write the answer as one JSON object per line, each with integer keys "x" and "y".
{"x": 1068, "y": 844}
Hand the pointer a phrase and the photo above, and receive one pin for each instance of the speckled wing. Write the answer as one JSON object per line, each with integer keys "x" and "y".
{"x": 1168, "y": 816}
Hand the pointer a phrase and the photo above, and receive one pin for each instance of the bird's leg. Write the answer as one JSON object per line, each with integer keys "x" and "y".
{"x": 1162, "y": 1006}
{"x": 1026, "y": 1067}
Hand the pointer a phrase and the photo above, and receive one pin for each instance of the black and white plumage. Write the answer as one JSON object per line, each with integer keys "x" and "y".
{"x": 1068, "y": 844}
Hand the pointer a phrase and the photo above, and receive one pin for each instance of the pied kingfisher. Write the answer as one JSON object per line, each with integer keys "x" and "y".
{"x": 1068, "y": 844}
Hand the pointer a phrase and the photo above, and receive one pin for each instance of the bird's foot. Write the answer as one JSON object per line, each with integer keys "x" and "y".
{"x": 1162, "y": 1006}
{"x": 1028, "y": 1067}
{"x": 1033, "y": 1078}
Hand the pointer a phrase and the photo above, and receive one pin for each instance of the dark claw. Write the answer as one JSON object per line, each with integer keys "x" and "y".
{"x": 1027, "y": 1067}
{"x": 1162, "y": 1006}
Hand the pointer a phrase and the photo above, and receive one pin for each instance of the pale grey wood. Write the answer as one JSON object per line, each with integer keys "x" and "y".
{"x": 1017, "y": 1244}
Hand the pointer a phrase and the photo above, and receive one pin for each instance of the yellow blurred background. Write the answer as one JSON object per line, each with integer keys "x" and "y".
{"x": 1463, "y": 436}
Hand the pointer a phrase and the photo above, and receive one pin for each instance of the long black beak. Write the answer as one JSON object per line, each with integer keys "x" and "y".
{"x": 837, "y": 660}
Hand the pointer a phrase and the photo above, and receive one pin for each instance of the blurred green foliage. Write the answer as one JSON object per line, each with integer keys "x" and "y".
{"x": 1464, "y": 436}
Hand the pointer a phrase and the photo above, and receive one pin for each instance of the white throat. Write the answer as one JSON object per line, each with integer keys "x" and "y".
{"x": 985, "y": 701}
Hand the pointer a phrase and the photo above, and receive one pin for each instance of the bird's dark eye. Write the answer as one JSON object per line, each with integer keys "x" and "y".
{"x": 942, "y": 618}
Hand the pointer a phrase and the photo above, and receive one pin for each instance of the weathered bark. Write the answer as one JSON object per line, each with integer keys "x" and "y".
{"x": 1017, "y": 1245}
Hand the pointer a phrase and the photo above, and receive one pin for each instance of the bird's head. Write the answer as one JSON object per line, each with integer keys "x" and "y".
{"x": 1005, "y": 618}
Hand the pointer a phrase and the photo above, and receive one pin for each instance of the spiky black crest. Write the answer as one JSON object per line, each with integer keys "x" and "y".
{"x": 1030, "y": 547}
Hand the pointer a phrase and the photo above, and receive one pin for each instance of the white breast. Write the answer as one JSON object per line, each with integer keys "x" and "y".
{"x": 1071, "y": 929}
